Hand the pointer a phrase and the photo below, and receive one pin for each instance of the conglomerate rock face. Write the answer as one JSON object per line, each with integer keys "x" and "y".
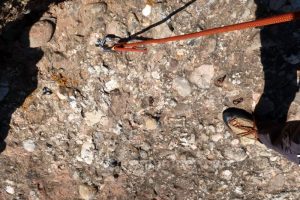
{"x": 82, "y": 123}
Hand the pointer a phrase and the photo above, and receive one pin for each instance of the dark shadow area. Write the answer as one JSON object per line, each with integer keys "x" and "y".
{"x": 18, "y": 74}
{"x": 280, "y": 51}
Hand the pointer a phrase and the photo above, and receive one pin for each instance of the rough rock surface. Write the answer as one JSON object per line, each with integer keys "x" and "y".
{"x": 81, "y": 123}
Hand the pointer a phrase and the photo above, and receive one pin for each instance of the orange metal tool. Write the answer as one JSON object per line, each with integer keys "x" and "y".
{"x": 138, "y": 46}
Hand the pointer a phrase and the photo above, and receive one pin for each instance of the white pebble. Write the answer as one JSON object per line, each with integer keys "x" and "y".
{"x": 147, "y": 10}
{"x": 9, "y": 190}
{"x": 87, "y": 153}
{"x": 217, "y": 137}
{"x": 235, "y": 142}
{"x": 155, "y": 75}
{"x": 29, "y": 145}
{"x": 212, "y": 129}
{"x": 111, "y": 85}
{"x": 226, "y": 174}
{"x": 182, "y": 86}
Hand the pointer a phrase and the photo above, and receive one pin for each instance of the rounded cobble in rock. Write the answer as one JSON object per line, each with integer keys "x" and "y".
{"x": 226, "y": 174}
{"x": 216, "y": 137}
{"x": 202, "y": 76}
{"x": 182, "y": 86}
{"x": 29, "y": 145}
{"x": 150, "y": 123}
{"x": 276, "y": 183}
{"x": 87, "y": 192}
{"x": 96, "y": 8}
{"x": 147, "y": 10}
{"x": 9, "y": 190}
{"x": 111, "y": 85}
{"x": 94, "y": 117}
{"x": 237, "y": 154}
{"x": 40, "y": 33}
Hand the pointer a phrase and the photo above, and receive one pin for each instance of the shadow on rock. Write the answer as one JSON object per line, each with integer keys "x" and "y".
{"x": 18, "y": 74}
{"x": 280, "y": 57}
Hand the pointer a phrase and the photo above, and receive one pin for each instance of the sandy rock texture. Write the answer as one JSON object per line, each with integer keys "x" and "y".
{"x": 83, "y": 123}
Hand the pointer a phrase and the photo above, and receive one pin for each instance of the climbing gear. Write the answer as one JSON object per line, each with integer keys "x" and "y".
{"x": 240, "y": 122}
{"x": 138, "y": 46}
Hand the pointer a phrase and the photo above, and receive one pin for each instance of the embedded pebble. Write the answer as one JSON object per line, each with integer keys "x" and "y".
{"x": 226, "y": 174}
{"x": 147, "y": 10}
{"x": 9, "y": 189}
{"x": 236, "y": 154}
{"x": 87, "y": 153}
{"x": 235, "y": 142}
{"x": 276, "y": 183}
{"x": 96, "y": 8}
{"x": 182, "y": 86}
{"x": 202, "y": 76}
{"x": 40, "y": 33}
{"x": 94, "y": 117}
{"x": 150, "y": 123}
{"x": 29, "y": 145}
{"x": 217, "y": 137}
{"x": 87, "y": 192}
{"x": 111, "y": 85}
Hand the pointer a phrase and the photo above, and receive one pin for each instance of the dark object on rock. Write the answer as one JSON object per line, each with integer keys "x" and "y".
{"x": 47, "y": 91}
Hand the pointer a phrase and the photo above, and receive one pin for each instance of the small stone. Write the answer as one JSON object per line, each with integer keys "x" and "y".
{"x": 132, "y": 22}
{"x": 235, "y": 142}
{"x": 155, "y": 75}
{"x": 276, "y": 183}
{"x": 72, "y": 101}
{"x": 238, "y": 190}
{"x": 9, "y": 190}
{"x": 147, "y": 10}
{"x": 236, "y": 154}
{"x": 40, "y": 33}
{"x": 111, "y": 85}
{"x": 94, "y": 117}
{"x": 87, "y": 154}
{"x": 115, "y": 27}
{"x": 29, "y": 145}
{"x": 226, "y": 174}
{"x": 150, "y": 123}
{"x": 211, "y": 129}
{"x": 182, "y": 86}
{"x": 273, "y": 159}
{"x": 96, "y": 8}
{"x": 87, "y": 192}
{"x": 211, "y": 46}
{"x": 202, "y": 76}
{"x": 216, "y": 137}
